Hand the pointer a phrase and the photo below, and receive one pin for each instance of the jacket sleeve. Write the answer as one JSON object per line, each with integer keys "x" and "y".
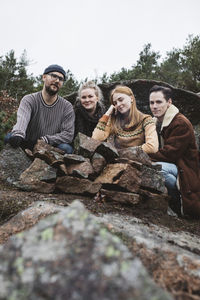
{"x": 103, "y": 129}
{"x": 175, "y": 145}
{"x": 151, "y": 138}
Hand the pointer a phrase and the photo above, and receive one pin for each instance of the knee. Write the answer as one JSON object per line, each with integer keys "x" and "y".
{"x": 67, "y": 148}
{"x": 7, "y": 137}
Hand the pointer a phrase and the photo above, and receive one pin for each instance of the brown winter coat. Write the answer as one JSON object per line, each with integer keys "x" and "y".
{"x": 179, "y": 147}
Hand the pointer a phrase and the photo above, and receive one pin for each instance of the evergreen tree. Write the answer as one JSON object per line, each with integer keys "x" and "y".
{"x": 170, "y": 68}
{"x": 147, "y": 66}
{"x": 70, "y": 85}
{"x": 190, "y": 62}
{"x": 13, "y": 75}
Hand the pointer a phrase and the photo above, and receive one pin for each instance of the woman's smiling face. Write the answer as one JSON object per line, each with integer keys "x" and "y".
{"x": 122, "y": 102}
{"x": 89, "y": 99}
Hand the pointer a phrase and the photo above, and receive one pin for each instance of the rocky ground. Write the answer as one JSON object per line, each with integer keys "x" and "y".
{"x": 98, "y": 206}
{"x": 169, "y": 247}
{"x": 162, "y": 264}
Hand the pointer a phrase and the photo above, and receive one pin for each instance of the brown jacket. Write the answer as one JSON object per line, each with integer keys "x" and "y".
{"x": 179, "y": 147}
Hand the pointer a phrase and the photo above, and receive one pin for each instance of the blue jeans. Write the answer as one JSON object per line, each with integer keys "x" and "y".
{"x": 170, "y": 173}
{"x": 7, "y": 137}
{"x": 65, "y": 147}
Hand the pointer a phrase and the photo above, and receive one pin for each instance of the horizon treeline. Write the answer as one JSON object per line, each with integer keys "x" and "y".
{"x": 180, "y": 68}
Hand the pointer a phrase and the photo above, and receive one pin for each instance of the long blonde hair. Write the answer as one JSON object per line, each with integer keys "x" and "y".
{"x": 134, "y": 117}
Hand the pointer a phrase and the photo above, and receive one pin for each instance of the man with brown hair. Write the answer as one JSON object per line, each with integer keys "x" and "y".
{"x": 178, "y": 153}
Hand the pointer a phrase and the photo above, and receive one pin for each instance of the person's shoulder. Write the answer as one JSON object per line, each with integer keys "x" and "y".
{"x": 147, "y": 119}
{"x": 146, "y": 116}
{"x": 65, "y": 106}
{"x": 64, "y": 101}
{"x": 31, "y": 97}
{"x": 182, "y": 119}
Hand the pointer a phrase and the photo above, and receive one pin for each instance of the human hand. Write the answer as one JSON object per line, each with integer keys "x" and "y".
{"x": 15, "y": 141}
{"x": 111, "y": 110}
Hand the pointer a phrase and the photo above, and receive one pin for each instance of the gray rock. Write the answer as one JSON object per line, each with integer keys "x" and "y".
{"x": 12, "y": 163}
{"x": 84, "y": 145}
{"x": 108, "y": 151}
{"x": 27, "y": 218}
{"x": 70, "y": 256}
{"x": 10, "y": 205}
{"x": 39, "y": 177}
{"x": 152, "y": 179}
{"x": 73, "y": 159}
{"x": 98, "y": 163}
{"x": 82, "y": 169}
{"x": 135, "y": 153}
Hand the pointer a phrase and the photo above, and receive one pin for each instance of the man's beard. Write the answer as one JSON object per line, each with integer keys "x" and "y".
{"x": 50, "y": 91}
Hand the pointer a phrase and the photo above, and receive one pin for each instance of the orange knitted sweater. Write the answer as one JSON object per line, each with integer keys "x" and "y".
{"x": 143, "y": 134}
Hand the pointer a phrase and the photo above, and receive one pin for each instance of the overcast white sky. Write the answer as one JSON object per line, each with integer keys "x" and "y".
{"x": 91, "y": 37}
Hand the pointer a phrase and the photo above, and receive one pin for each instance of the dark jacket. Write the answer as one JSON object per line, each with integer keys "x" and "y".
{"x": 179, "y": 147}
{"x": 85, "y": 123}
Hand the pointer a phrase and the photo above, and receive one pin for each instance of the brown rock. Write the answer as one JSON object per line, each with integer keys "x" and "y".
{"x": 83, "y": 169}
{"x": 84, "y": 145}
{"x": 108, "y": 151}
{"x": 111, "y": 172}
{"x": 36, "y": 177}
{"x": 74, "y": 185}
{"x": 51, "y": 155}
{"x": 62, "y": 170}
{"x": 136, "y": 154}
{"x": 153, "y": 201}
{"x": 41, "y": 145}
{"x": 73, "y": 159}
{"x": 122, "y": 175}
{"x": 98, "y": 163}
{"x": 136, "y": 164}
{"x": 120, "y": 197}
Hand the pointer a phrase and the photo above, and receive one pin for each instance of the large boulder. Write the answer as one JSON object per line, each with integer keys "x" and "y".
{"x": 187, "y": 102}
{"x": 13, "y": 162}
{"x": 70, "y": 256}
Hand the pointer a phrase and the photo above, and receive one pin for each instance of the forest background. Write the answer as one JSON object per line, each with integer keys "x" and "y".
{"x": 179, "y": 68}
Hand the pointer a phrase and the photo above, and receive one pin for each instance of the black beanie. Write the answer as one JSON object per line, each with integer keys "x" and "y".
{"x": 55, "y": 68}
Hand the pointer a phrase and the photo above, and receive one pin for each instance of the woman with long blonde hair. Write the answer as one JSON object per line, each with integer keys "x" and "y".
{"x": 129, "y": 126}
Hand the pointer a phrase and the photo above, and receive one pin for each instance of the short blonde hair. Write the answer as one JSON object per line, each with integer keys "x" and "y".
{"x": 91, "y": 85}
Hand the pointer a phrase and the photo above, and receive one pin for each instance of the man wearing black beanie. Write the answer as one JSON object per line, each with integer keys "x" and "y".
{"x": 45, "y": 115}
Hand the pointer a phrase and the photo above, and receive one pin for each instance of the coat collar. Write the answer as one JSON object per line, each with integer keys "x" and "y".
{"x": 171, "y": 112}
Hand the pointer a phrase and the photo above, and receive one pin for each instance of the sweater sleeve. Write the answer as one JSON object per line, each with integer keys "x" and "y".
{"x": 151, "y": 138}
{"x": 102, "y": 130}
{"x": 23, "y": 117}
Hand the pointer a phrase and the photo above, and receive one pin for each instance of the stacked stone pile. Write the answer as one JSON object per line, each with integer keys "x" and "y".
{"x": 95, "y": 169}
